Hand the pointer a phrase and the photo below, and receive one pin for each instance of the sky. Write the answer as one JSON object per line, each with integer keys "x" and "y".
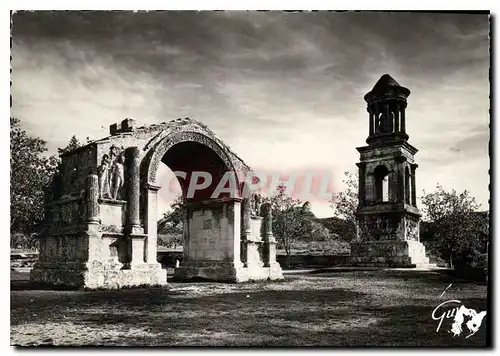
{"x": 284, "y": 90}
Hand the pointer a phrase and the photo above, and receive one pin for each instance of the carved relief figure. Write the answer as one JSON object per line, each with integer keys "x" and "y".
{"x": 411, "y": 230}
{"x": 117, "y": 177}
{"x": 368, "y": 227}
{"x": 114, "y": 151}
{"x": 103, "y": 174}
{"x": 383, "y": 224}
{"x": 394, "y": 225}
{"x": 111, "y": 174}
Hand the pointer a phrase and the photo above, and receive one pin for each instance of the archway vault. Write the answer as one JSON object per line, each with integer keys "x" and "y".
{"x": 105, "y": 194}
{"x": 156, "y": 154}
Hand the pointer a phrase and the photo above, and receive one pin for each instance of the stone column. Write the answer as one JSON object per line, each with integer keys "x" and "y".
{"x": 151, "y": 221}
{"x": 269, "y": 240}
{"x": 233, "y": 213}
{"x": 91, "y": 198}
{"x": 389, "y": 124}
{"x": 253, "y": 240}
{"x": 403, "y": 119}
{"x": 361, "y": 192}
{"x": 186, "y": 212}
{"x": 246, "y": 229}
{"x": 396, "y": 117}
{"x": 133, "y": 184}
{"x": 413, "y": 185}
{"x": 369, "y": 189}
{"x": 401, "y": 178}
{"x": 372, "y": 119}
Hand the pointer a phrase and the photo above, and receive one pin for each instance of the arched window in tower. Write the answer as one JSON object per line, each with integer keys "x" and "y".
{"x": 407, "y": 186}
{"x": 381, "y": 184}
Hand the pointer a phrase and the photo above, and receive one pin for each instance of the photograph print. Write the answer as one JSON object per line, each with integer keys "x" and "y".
{"x": 250, "y": 178}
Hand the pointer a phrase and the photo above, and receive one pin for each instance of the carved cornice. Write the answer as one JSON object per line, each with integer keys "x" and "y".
{"x": 400, "y": 159}
{"x": 154, "y": 187}
{"x": 111, "y": 201}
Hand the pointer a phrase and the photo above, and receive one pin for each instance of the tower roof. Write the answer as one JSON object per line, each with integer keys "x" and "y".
{"x": 385, "y": 82}
{"x": 387, "y": 86}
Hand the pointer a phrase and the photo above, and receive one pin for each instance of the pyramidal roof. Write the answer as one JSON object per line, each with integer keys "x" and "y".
{"x": 386, "y": 84}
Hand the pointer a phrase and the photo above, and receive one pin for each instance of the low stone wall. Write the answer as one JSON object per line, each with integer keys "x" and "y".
{"x": 168, "y": 258}
{"x": 313, "y": 261}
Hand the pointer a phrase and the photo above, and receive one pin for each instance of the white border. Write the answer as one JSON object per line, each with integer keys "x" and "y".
{"x": 192, "y": 5}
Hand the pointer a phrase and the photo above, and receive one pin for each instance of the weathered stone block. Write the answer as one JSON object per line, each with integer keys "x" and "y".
{"x": 127, "y": 125}
{"x": 113, "y": 129}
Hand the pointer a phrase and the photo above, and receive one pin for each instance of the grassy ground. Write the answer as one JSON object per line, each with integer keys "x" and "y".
{"x": 329, "y": 247}
{"x": 360, "y": 308}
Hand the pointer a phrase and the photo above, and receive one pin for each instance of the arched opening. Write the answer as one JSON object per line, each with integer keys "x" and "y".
{"x": 407, "y": 186}
{"x": 381, "y": 184}
{"x": 199, "y": 171}
{"x": 212, "y": 208}
{"x": 170, "y": 226}
{"x": 188, "y": 173}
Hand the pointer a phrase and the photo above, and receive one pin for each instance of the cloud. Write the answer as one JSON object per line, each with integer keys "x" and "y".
{"x": 282, "y": 89}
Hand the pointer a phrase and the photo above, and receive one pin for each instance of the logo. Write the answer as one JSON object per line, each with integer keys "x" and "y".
{"x": 306, "y": 185}
{"x": 462, "y": 317}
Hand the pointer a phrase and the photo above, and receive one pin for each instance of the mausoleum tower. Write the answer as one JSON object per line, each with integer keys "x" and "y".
{"x": 387, "y": 213}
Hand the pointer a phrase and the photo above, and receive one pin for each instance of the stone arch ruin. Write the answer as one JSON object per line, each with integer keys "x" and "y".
{"x": 101, "y": 211}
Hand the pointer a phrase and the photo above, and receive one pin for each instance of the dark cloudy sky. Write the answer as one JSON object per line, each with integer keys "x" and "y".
{"x": 284, "y": 90}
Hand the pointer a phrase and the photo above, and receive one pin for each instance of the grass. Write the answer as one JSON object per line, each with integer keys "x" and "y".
{"x": 361, "y": 308}
{"x": 330, "y": 247}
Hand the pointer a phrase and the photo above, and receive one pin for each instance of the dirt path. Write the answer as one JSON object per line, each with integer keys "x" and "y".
{"x": 358, "y": 308}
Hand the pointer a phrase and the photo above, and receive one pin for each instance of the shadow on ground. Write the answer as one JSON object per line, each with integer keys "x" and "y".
{"x": 362, "y": 308}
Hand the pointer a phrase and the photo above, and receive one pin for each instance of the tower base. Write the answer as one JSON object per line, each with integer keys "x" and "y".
{"x": 389, "y": 253}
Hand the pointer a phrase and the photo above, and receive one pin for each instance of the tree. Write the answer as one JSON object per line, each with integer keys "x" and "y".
{"x": 318, "y": 232}
{"x": 454, "y": 225}
{"x": 71, "y": 146}
{"x": 172, "y": 224}
{"x": 30, "y": 174}
{"x": 345, "y": 204}
{"x": 289, "y": 222}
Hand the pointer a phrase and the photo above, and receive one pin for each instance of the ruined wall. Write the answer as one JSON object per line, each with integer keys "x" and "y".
{"x": 101, "y": 212}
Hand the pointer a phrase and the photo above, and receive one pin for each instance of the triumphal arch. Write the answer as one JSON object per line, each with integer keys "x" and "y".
{"x": 101, "y": 211}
